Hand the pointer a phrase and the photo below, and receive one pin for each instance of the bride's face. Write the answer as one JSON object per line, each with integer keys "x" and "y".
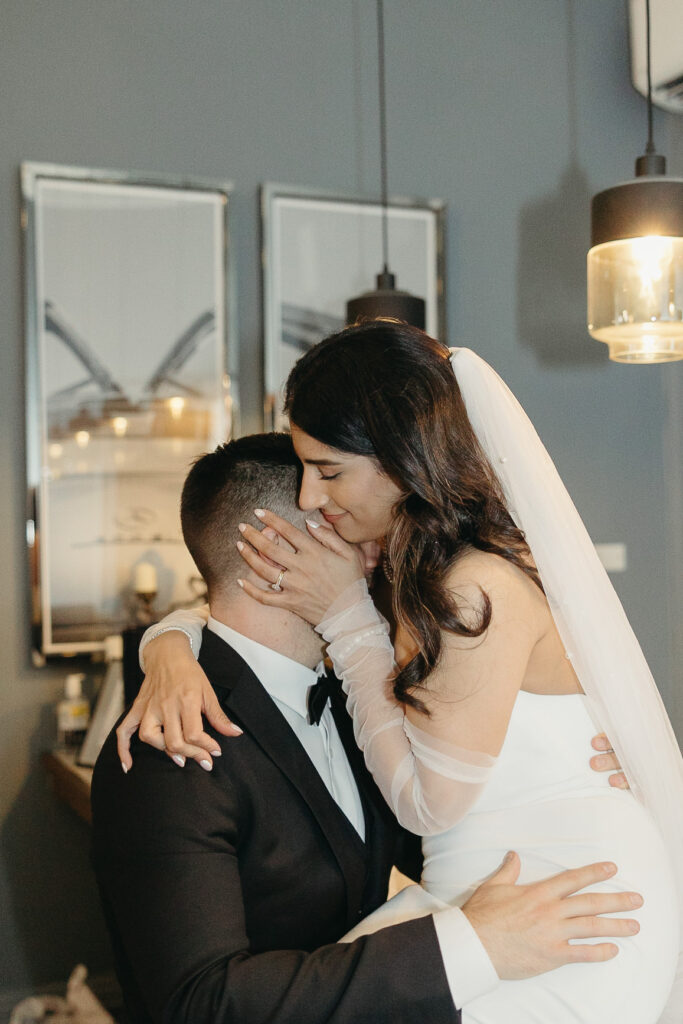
{"x": 351, "y": 491}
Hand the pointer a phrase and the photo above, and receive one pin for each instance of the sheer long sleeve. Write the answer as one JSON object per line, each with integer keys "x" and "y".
{"x": 429, "y": 783}
{"x": 190, "y": 621}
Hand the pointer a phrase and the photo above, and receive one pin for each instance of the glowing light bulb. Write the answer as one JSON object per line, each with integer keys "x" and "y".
{"x": 56, "y": 451}
{"x": 651, "y": 258}
{"x": 635, "y": 298}
{"x": 176, "y": 405}
{"x": 82, "y": 438}
{"x": 120, "y": 425}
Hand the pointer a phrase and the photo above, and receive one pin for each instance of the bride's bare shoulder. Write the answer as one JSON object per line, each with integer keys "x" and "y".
{"x": 477, "y": 573}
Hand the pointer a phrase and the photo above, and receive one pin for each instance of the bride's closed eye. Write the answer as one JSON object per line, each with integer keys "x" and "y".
{"x": 332, "y": 476}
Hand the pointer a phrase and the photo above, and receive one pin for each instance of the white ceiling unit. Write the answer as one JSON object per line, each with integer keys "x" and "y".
{"x": 667, "y": 51}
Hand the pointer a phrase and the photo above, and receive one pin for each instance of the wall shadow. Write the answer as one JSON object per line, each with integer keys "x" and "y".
{"x": 554, "y": 236}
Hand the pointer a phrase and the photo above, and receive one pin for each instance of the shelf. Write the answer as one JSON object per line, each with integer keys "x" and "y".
{"x": 69, "y": 781}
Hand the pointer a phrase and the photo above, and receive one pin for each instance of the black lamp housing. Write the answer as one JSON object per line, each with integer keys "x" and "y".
{"x": 649, "y": 205}
{"x": 386, "y": 301}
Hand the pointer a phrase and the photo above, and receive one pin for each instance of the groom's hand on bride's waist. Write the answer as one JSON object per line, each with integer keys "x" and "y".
{"x": 526, "y": 929}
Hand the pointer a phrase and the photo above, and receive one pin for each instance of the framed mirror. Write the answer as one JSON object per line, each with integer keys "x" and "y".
{"x": 130, "y": 375}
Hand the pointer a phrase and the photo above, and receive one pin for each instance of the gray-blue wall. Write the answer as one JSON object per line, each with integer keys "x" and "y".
{"x": 514, "y": 113}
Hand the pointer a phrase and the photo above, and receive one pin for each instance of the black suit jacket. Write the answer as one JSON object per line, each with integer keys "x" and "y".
{"x": 225, "y": 892}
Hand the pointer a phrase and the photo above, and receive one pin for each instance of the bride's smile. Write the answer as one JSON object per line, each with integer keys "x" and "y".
{"x": 351, "y": 491}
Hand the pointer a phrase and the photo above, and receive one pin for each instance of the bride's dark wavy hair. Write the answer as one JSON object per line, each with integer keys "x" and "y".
{"x": 386, "y": 390}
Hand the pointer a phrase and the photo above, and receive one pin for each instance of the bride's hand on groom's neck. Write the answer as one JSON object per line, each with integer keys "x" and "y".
{"x": 315, "y": 568}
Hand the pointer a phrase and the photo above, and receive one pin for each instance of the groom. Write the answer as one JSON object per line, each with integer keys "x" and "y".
{"x": 226, "y": 892}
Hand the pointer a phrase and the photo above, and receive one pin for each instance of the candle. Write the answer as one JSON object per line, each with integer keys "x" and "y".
{"x": 145, "y": 578}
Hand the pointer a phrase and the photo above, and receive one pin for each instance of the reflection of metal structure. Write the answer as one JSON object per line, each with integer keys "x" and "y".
{"x": 56, "y": 324}
{"x": 185, "y": 346}
{"x": 304, "y": 328}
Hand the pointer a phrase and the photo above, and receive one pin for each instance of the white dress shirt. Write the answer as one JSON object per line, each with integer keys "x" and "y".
{"x": 288, "y": 683}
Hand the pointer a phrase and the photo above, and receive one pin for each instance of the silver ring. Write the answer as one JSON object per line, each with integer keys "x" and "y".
{"x": 278, "y": 582}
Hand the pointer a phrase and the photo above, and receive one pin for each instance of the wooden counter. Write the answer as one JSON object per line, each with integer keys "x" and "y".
{"x": 69, "y": 781}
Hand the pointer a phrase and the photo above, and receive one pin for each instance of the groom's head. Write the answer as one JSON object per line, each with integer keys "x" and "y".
{"x": 222, "y": 490}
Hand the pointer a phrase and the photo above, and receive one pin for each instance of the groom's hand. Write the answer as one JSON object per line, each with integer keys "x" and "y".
{"x": 526, "y": 929}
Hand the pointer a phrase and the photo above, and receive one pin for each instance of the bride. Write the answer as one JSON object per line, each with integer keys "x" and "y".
{"x": 511, "y": 648}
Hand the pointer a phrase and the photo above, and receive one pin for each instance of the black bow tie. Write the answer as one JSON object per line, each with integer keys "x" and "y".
{"x": 318, "y": 695}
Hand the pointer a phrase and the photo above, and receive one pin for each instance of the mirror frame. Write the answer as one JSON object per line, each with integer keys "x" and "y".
{"x": 44, "y": 641}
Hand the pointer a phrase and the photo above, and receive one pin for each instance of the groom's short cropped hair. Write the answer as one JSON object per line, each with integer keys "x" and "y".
{"x": 222, "y": 490}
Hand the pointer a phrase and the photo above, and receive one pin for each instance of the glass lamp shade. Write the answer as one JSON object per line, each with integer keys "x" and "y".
{"x": 635, "y": 271}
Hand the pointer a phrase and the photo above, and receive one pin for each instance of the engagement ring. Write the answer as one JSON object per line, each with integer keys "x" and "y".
{"x": 278, "y": 582}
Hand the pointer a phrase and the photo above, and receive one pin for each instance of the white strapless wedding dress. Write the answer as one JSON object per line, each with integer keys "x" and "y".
{"x": 544, "y": 801}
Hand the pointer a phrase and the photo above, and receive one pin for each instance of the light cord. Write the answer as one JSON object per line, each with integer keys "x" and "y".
{"x": 650, "y": 148}
{"x": 383, "y": 134}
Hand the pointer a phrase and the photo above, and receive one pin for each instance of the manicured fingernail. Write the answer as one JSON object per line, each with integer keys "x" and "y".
{"x": 508, "y": 857}
{"x": 313, "y": 526}
{"x": 609, "y": 869}
{"x": 636, "y": 899}
{"x": 215, "y": 753}
{"x": 238, "y": 731}
{"x": 242, "y": 527}
{"x": 125, "y": 768}
{"x": 206, "y": 765}
{"x": 633, "y": 927}
{"x": 240, "y": 583}
{"x": 259, "y": 512}
{"x": 179, "y": 760}
{"x": 240, "y": 545}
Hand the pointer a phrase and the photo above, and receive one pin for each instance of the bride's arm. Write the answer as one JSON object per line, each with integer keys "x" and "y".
{"x": 189, "y": 621}
{"x": 431, "y": 769}
{"x": 175, "y": 694}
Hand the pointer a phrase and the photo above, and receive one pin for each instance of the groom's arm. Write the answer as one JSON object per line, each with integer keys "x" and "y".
{"x": 166, "y": 856}
{"x": 165, "y": 851}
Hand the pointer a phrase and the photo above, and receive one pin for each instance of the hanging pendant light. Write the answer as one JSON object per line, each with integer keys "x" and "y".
{"x": 386, "y": 301}
{"x": 635, "y": 265}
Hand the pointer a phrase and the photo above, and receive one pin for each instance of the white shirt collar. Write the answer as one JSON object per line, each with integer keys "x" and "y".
{"x": 285, "y": 680}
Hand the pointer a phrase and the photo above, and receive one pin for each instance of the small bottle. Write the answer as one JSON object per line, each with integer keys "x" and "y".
{"x": 73, "y": 713}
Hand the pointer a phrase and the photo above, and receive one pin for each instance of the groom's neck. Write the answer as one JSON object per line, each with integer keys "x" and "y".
{"x": 280, "y": 630}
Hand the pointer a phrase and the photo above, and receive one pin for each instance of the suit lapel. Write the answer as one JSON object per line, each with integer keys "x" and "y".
{"x": 247, "y": 702}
